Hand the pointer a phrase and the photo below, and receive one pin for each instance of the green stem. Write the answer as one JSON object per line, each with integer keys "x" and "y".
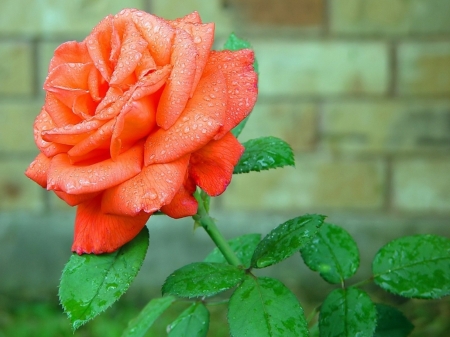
{"x": 363, "y": 282}
{"x": 217, "y": 302}
{"x": 203, "y": 218}
{"x": 312, "y": 314}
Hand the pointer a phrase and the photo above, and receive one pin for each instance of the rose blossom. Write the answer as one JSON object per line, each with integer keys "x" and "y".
{"x": 135, "y": 117}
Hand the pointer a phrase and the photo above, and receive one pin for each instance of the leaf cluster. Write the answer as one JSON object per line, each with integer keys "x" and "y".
{"x": 413, "y": 267}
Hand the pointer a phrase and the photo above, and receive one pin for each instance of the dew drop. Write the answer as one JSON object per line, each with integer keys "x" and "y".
{"x": 151, "y": 194}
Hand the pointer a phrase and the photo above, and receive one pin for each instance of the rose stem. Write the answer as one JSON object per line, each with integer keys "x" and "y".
{"x": 203, "y": 218}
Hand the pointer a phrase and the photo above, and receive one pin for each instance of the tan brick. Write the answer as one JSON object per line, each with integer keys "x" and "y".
{"x": 16, "y": 69}
{"x": 422, "y": 185}
{"x": 58, "y": 17}
{"x": 210, "y": 11}
{"x": 298, "y": 13}
{"x": 316, "y": 184}
{"x": 424, "y": 68}
{"x": 391, "y": 17}
{"x": 17, "y": 192}
{"x": 16, "y": 128}
{"x": 294, "y": 123}
{"x": 321, "y": 68}
{"x": 395, "y": 126}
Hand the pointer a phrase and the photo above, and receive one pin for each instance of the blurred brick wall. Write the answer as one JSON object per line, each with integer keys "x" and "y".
{"x": 359, "y": 88}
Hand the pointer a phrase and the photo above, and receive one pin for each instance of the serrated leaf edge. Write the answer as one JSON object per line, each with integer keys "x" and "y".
{"x": 253, "y": 262}
{"x": 82, "y": 322}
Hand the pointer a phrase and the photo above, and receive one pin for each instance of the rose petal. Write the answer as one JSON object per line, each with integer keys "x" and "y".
{"x": 183, "y": 203}
{"x": 103, "y": 46}
{"x": 203, "y": 37}
{"x": 193, "y": 17}
{"x": 131, "y": 125}
{"x": 146, "y": 64}
{"x": 42, "y": 123}
{"x": 117, "y": 99}
{"x": 80, "y": 179}
{"x": 72, "y": 134}
{"x": 69, "y": 83}
{"x": 91, "y": 157}
{"x": 97, "y": 232}
{"x": 212, "y": 166}
{"x": 156, "y": 31}
{"x": 131, "y": 51}
{"x": 154, "y": 187}
{"x": 104, "y": 109}
{"x": 196, "y": 126}
{"x": 179, "y": 85}
{"x": 38, "y": 169}
{"x": 60, "y": 113}
{"x": 98, "y": 139}
{"x": 69, "y": 52}
{"x": 241, "y": 79}
{"x": 97, "y": 85}
{"x": 75, "y": 199}
{"x": 152, "y": 82}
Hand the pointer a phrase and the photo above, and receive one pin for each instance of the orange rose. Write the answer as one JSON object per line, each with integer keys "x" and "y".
{"x": 135, "y": 117}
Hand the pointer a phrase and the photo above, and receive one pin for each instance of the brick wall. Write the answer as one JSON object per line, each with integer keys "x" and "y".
{"x": 359, "y": 88}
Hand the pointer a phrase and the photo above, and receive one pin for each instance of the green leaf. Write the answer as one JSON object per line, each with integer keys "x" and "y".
{"x": 414, "y": 266}
{"x": 347, "y": 313}
{"x": 138, "y": 326}
{"x": 333, "y": 253}
{"x": 235, "y": 43}
{"x": 91, "y": 283}
{"x": 286, "y": 239}
{"x": 264, "y": 154}
{"x": 243, "y": 246}
{"x": 314, "y": 330}
{"x": 202, "y": 279}
{"x": 236, "y": 131}
{"x": 265, "y": 307}
{"x": 193, "y": 322}
{"x": 391, "y": 322}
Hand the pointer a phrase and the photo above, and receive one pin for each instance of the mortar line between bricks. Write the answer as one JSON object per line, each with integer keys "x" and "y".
{"x": 393, "y": 69}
